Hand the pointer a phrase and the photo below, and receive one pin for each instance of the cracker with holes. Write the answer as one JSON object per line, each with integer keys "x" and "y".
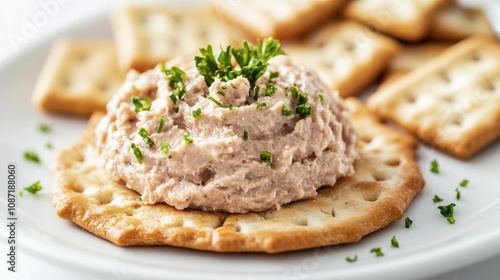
{"x": 346, "y": 55}
{"x": 386, "y": 180}
{"x": 78, "y": 77}
{"x": 456, "y": 23}
{"x": 452, "y": 101}
{"x": 410, "y": 57}
{"x": 146, "y": 36}
{"x": 281, "y": 19}
{"x": 405, "y": 20}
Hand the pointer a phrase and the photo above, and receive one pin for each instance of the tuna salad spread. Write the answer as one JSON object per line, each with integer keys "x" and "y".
{"x": 239, "y": 130}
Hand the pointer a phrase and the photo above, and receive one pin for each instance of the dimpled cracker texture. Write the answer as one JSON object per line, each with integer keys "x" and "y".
{"x": 280, "y": 19}
{"x": 347, "y": 55}
{"x": 407, "y": 20}
{"x": 145, "y": 36}
{"x": 452, "y": 101}
{"x": 78, "y": 77}
{"x": 386, "y": 180}
{"x": 410, "y": 57}
{"x": 456, "y": 23}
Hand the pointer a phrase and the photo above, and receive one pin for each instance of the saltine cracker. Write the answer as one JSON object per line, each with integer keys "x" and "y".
{"x": 452, "y": 101}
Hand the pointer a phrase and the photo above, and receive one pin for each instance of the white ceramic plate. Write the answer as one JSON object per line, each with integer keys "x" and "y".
{"x": 429, "y": 247}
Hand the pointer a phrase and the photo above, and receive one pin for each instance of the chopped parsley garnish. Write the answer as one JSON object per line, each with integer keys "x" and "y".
{"x": 141, "y": 103}
{"x": 216, "y": 101}
{"x": 44, "y": 128}
{"x": 32, "y": 156}
{"x": 139, "y": 198}
{"x": 377, "y": 251}
{"x": 49, "y": 146}
{"x": 394, "y": 242}
{"x": 224, "y": 87}
{"x": 162, "y": 122}
{"x": 176, "y": 76}
{"x": 256, "y": 93}
{"x": 165, "y": 147}
{"x": 267, "y": 158}
{"x": 285, "y": 111}
{"x": 34, "y": 188}
{"x": 221, "y": 93}
{"x": 302, "y": 110}
{"x": 270, "y": 89}
{"x": 253, "y": 61}
{"x": 188, "y": 139}
{"x": 232, "y": 85}
{"x": 437, "y": 199}
{"x": 458, "y": 195}
{"x": 351, "y": 260}
{"x": 231, "y": 107}
{"x": 295, "y": 93}
{"x": 464, "y": 183}
{"x": 137, "y": 152}
{"x": 273, "y": 75}
{"x": 197, "y": 113}
{"x": 245, "y": 135}
{"x": 447, "y": 212}
{"x": 261, "y": 104}
{"x": 145, "y": 137}
{"x": 434, "y": 167}
{"x": 321, "y": 97}
{"x": 408, "y": 222}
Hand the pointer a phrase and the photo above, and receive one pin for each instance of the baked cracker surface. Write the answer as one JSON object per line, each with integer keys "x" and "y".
{"x": 386, "y": 180}
{"x": 452, "y": 101}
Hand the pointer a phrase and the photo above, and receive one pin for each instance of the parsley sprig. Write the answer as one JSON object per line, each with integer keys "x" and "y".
{"x": 252, "y": 61}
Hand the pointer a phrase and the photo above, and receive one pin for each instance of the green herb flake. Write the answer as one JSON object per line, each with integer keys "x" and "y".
{"x": 256, "y": 93}
{"x": 139, "y": 198}
{"x": 464, "y": 183}
{"x": 394, "y": 242}
{"x": 165, "y": 147}
{"x": 160, "y": 125}
{"x": 141, "y": 103}
{"x": 261, "y": 104}
{"x": 285, "y": 111}
{"x": 137, "y": 152}
{"x": 270, "y": 89}
{"x": 273, "y": 75}
{"x": 267, "y": 158}
{"x": 447, "y": 212}
{"x": 232, "y": 85}
{"x": 408, "y": 222}
{"x": 377, "y": 251}
{"x": 231, "y": 107}
{"x": 351, "y": 260}
{"x": 223, "y": 87}
{"x": 188, "y": 139}
{"x": 145, "y": 137}
{"x": 437, "y": 199}
{"x": 175, "y": 76}
{"x": 303, "y": 111}
{"x": 221, "y": 93}
{"x": 458, "y": 194}
{"x": 49, "y": 146}
{"x": 321, "y": 97}
{"x": 197, "y": 113}
{"x": 217, "y": 102}
{"x": 295, "y": 92}
{"x": 245, "y": 135}
{"x": 32, "y": 156}
{"x": 44, "y": 128}
{"x": 34, "y": 188}
{"x": 434, "y": 167}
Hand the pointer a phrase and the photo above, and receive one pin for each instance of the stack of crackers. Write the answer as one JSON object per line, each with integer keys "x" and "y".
{"x": 437, "y": 62}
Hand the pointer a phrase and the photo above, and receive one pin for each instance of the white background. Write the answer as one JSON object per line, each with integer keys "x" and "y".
{"x": 17, "y": 33}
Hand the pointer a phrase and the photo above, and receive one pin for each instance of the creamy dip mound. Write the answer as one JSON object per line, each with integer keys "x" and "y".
{"x": 232, "y": 146}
